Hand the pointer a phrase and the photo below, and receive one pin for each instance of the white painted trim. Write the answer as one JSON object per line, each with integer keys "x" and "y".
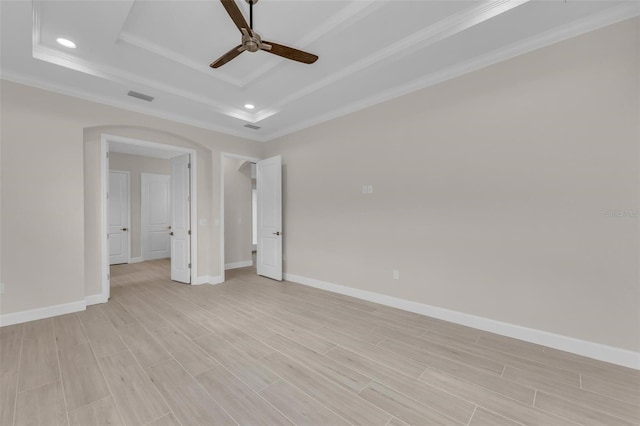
{"x": 117, "y": 75}
{"x": 352, "y": 12}
{"x": 104, "y": 227}
{"x": 591, "y": 23}
{"x": 219, "y": 279}
{"x": 206, "y": 279}
{"x": 140, "y": 109}
{"x": 136, "y": 260}
{"x": 569, "y": 344}
{"x": 574, "y": 29}
{"x": 95, "y": 299}
{"x": 236, "y": 265}
{"x": 224, "y": 155}
{"x": 41, "y": 313}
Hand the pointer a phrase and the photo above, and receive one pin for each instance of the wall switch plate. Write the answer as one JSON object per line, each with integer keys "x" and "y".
{"x": 396, "y": 274}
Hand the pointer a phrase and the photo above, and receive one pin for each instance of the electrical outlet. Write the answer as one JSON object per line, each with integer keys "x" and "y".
{"x": 396, "y": 274}
{"x": 370, "y": 189}
{"x": 364, "y": 189}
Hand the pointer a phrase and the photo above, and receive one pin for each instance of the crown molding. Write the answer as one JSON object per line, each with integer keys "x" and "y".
{"x": 64, "y": 59}
{"x": 592, "y": 23}
{"x": 430, "y": 35}
{"x": 173, "y": 56}
{"x": 346, "y": 16}
{"x": 67, "y": 91}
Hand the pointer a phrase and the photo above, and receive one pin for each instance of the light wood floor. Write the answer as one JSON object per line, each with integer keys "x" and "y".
{"x": 254, "y": 351}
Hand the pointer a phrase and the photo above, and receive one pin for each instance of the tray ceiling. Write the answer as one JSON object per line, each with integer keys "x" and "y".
{"x": 370, "y": 51}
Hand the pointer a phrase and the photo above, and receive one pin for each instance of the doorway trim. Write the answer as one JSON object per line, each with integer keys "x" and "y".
{"x": 222, "y": 240}
{"x": 104, "y": 176}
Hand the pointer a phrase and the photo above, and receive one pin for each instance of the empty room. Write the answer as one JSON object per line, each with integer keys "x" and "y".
{"x": 320, "y": 212}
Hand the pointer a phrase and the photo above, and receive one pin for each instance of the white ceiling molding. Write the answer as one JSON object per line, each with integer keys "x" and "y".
{"x": 347, "y": 16}
{"x": 445, "y": 28}
{"x": 118, "y": 75}
{"x": 174, "y": 56}
{"x": 92, "y": 97}
{"x": 370, "y": 51}
{"x": 429, "y": 35}
{"x": 577, "y": 28}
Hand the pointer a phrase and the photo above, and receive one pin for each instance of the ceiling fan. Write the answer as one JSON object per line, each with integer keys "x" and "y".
{"x": 252, "y": 42}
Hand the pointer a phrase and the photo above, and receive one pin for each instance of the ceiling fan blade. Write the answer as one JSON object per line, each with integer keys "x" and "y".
{"x": 290, "y": 53}
{"x": 235, "y": 14}
{"x": 228, "y": 56}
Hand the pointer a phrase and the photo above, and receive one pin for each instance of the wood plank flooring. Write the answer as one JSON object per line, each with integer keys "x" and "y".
{"x": 254, "y": 351}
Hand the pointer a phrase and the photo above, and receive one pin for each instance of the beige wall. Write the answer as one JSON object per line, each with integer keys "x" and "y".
{"x": 237, "y": 212}
{"x": 490, "y": 192}
{"x": 136, "y": 165}
{"x": 51, "y": 200}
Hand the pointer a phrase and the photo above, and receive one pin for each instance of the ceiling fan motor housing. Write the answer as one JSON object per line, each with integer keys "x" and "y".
{"x": 251, "y": 41}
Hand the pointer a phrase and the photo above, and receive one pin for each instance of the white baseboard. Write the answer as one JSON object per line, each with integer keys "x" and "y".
{"x": 216, "y": 280}
{"x": 206, "y": 279}
{"x": 95, "y": 299}
{"x": 201, "y": 280}
{"x": 40, "y": 313}
{"x": 136, "y": 260}
{"x": 569, "y": 344}
{"x": 236, "y": 265}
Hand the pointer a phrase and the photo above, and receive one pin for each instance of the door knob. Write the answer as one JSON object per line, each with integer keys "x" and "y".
{"x": 276, "y": 233}
{"x": 124, "y": 229}
{"x": 171, "y": 233}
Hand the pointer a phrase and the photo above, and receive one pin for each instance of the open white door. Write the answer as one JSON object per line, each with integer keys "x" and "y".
{"x": 155, "y": 207}
{"x": 118, "y": 217}
{"x": 180, "y": 219}
{"x": 269, "y": 186}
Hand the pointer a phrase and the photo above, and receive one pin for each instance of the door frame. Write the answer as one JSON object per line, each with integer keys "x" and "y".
{"x": 222, "y": 240}
{"x": 126, "y": 172}
{"x": 104, "y": 179}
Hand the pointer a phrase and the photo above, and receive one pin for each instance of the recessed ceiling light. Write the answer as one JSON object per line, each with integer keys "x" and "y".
{"x": 249, "y": 106}
{"x": 66, "y": 43}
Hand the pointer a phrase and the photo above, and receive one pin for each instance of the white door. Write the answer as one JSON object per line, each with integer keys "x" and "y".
{"x": 269, "y": 185}
{"x": 155, "y": 222}
{"x": 118, "y": 217}
{"x": 180, "y": 219}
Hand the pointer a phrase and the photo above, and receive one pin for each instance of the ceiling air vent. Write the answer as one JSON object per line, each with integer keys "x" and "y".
{"x": 252, "y": 126}
{"x": 140, "y": 96}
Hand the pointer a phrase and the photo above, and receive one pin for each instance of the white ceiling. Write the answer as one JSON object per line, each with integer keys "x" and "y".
{"x": 370, "y": 51}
